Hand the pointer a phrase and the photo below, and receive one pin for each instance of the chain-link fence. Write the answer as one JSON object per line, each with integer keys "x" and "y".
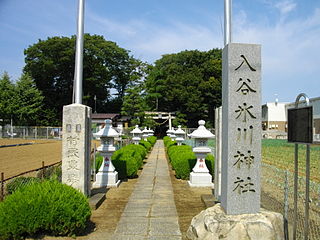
{"x": 274, "y": 197}
{"x": 11, "y": 184}
{"x": 30, "y": 132}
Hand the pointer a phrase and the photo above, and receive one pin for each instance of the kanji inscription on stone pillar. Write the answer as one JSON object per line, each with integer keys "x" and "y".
{"x": 241, "y": 129}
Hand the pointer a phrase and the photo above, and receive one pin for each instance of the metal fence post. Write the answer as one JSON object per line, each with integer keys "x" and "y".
{"x": 295, "y": 198}
{"x": 306, "y": 214}
{"x": 286, "y": 205}
{"x": 94, "y": 162}
{"x": 2, "y": 187}
{"x": 43, "y": 169}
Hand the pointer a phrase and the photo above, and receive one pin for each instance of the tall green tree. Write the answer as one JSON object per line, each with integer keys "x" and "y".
{"x": 188, "y": 83}
{"x": 105, "y": 65}
{"x": 29, "y": 102}
{"x": 7, "y": 99}
{"x": 134, "y": 104}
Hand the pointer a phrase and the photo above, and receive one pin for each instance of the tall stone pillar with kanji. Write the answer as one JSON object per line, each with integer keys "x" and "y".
{"x": 76, "y": 146}
{"x": 241, "y": 128}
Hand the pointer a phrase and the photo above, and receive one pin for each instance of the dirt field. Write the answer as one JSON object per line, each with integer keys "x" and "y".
{"x": 14, "y": 160}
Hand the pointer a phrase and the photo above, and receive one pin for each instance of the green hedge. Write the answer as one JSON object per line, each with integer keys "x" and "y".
{"x": 183, "y": 160}
{"x": 99, "y": 160}
{"x": 128, "y": 160}
{"x": 47, "y": 207}
{"x": 146, "y": 144}
{"x": 20, "y": 182}
{"x": 152, "y": 140}
{"x": 168, "y": 142}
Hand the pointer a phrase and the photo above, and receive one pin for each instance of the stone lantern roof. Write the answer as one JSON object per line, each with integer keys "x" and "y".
{"x": 170, "y": 131}
{"x": 179, "y": 131}
{"x": 107, "y": 131}
{"x": 150, "y": 131}
{"x": 201, "y": 131}
{"x": 136, "y": 130}
{"x": 145, "y": 130}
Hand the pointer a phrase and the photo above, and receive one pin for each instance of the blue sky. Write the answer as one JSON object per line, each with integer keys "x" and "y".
{"x": 289, "y": 31}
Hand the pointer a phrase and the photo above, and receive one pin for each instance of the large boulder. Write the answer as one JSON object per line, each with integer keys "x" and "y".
{"x": 213, "y": 224}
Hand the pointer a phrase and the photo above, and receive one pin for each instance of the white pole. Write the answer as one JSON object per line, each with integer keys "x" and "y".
{"x": 79, "y": 55}
{"x": 227, "y": 21}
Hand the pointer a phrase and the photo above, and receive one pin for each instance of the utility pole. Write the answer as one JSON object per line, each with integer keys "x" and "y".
{"x": 78, "y": 73}
{"x": 227, "y": 21}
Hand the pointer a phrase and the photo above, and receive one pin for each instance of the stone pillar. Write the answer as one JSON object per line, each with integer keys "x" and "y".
{"x": 218, "y": 149}
{"x": 107, "y": 175}
{"x": 241, "y": 128}
{"x": 239, "y": 215}
{"x": 76, "y": 146}
{"x": 200, "y": 176}
{"x": 170, "y": 121}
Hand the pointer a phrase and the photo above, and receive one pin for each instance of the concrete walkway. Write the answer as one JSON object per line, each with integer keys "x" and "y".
{"x": 151, "y": 212}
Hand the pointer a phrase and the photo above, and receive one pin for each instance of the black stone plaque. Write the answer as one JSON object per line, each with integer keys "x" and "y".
{"x": 300, "y": 125}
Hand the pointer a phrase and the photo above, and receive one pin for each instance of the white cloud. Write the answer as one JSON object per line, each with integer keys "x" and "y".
{"x": 290, "y": 47}
{"x": 149, "y": 40}
{"x": 290, "y": 53}
{"x": 177, "y": 38}
{"x": 285, "y": 6}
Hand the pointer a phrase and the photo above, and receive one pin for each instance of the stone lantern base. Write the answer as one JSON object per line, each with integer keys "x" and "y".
{"x": 106, "y": 179}
{"x": 200, "y": 180}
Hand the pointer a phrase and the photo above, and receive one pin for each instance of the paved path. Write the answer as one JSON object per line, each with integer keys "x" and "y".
{"x": 151, "y": 212}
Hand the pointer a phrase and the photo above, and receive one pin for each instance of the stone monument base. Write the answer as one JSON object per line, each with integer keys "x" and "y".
{"x": 106, "y": 179}
{"x": 214, "y": 224}
{"x": 200, "y": 180}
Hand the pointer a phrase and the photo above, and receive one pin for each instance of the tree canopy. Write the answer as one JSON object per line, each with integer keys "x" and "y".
{"x": 187, "y": 83}
{"x": 7, "y": 98}
{"x": 22, "y": 102}
{"x": 105, "y": 65}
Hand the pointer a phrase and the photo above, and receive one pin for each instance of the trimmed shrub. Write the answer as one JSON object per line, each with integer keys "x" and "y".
{"x": 152, "y": 140}
{"x": 210, "y": 164}
{"x": 183, "y": 160}
{"x": 128, "y": 160}
{"x": 20, "y": 182}
{"x": 168, "y": 142}
{"x": 47, "y": 207}
{"x": 99, "y": 160}
{"x": 53, "y": 172}
{"x": 146, "y": 145}
{"x": 177, "y": 149}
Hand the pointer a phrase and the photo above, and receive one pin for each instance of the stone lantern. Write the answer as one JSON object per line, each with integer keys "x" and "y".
{"x": 107, "y": 176}
{"x": 200, "y": 176}
{"x": 169, "y": 132}
{"x": 150, "y": 132}
{"x": 136, "y": 133}
{"x": 173, "y": 135}
{"x": 179, "y": 135}
{"x": 145, "y": 134}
